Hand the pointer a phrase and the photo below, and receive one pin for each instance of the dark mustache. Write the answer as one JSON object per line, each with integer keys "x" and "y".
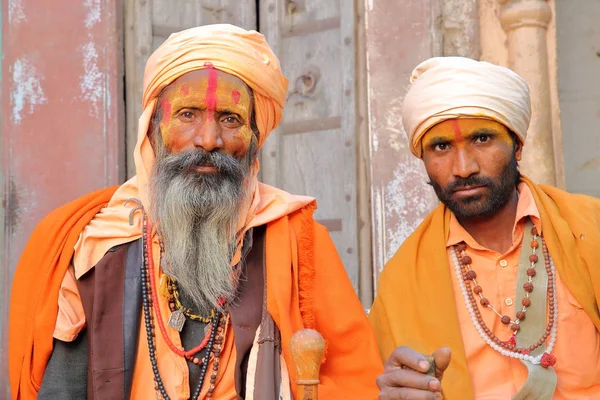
{"x": 461, "y": 183}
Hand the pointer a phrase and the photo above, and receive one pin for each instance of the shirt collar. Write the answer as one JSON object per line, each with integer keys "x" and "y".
{"x": 526, "y": 207}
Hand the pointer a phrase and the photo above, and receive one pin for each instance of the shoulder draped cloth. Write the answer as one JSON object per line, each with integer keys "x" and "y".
{"x": 415, "y": 304}
{"x": 302, "y": 263}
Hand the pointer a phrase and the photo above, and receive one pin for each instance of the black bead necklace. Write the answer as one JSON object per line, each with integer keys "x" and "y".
{"x": 147, "y": 305}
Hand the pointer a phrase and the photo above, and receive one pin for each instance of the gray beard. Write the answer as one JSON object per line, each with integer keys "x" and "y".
{"x": 197, "y": 216}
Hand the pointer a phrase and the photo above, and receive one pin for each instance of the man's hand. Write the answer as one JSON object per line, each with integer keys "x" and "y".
{"x": 405, "y": 376}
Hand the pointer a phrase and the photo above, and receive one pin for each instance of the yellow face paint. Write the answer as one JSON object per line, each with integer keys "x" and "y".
{"x": 459, "y": 131}
{"x": 204, "y": 99}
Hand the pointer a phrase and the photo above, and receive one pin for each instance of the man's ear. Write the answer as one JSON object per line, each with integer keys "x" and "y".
{"x": 517, "y": 145}
{"x": 518, "y": 149}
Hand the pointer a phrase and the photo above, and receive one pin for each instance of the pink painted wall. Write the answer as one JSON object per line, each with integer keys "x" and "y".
{"x": 62, "y": 117}
{"x": 399, "y": 36}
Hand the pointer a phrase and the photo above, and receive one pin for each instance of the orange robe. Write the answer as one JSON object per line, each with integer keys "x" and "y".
{"x": 307, "y": 287}
{"x": 416, "y": 306}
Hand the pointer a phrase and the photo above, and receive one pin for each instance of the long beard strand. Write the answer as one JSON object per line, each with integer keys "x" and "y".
{"x": 197, "y": 217}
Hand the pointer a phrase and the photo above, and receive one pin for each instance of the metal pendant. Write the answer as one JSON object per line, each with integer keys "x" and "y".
{"x": 177, "y": 319}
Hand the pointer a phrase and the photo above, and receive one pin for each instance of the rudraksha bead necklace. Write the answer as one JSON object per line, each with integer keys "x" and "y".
{"x": 465, "y": 274}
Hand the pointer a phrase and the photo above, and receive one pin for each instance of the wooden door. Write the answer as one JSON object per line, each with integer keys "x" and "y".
{"x": 313, "y": 152}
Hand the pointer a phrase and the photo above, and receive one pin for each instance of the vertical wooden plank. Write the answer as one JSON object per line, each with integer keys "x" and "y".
{"x": 348, "y": 45}
{"x": 150, "y": 22}
{"x": 61, "y": 115}
{"x": 138, "y": 47}
{"x": 4, "y": 266}
{"x": 314, "y": 150}
{"x": 366, "y": 273}
{"x": 271, "y": 14}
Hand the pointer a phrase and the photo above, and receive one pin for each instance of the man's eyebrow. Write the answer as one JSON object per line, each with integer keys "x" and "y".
{"x": 482, "y": 131}
{"x": 437, "y": 140}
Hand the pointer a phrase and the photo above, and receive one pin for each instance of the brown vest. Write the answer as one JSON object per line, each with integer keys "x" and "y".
{"x": 111, "y": 297}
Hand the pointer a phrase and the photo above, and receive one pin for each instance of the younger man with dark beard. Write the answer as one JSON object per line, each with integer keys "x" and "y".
{"x": 189, "y": 280}
{"x": 501, "y": 282}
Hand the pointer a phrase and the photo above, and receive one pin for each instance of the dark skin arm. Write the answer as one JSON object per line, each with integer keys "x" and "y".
{"x": 405, "y": 375}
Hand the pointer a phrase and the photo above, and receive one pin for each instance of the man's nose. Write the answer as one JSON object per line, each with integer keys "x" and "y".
{"x": 465, "y": 164}
{"x": 208, "y": 136}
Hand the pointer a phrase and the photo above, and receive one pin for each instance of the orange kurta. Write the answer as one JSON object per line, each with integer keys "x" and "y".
{"x": 416, "y": 304}
{"x": 307, "y": 286}
{"x": 578, "y": 369}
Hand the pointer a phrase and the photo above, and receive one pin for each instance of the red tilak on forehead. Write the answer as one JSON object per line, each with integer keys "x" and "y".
{"x": 456, "y": 128}
{"x": 166, "y": 109}
{"x": 211, "y": 91}
{"x": 235, "y": 96}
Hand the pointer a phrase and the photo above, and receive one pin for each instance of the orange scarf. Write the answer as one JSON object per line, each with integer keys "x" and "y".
{"x": 301, "y": 264}
{"x": 415, "y": 304}
{"x": 34, "y": 297}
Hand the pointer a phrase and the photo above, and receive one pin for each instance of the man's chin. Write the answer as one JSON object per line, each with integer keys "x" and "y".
{"x": 470, "y": 207}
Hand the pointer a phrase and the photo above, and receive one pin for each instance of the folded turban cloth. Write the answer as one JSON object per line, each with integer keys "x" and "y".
{"x": 455, "y": 87}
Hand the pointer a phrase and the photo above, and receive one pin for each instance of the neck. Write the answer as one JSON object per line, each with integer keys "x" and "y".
{"x": 494, "y": 231}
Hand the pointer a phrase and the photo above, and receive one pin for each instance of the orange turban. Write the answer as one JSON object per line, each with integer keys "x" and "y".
{"x": 244, "y": 54}
{"x": 453, "y": 87}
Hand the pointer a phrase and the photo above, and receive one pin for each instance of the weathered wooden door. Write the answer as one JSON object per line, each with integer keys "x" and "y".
{"x": 314, "y": 151}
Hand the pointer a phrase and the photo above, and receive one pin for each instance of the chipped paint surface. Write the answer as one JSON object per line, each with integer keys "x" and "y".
{"x": 62, "y": 65}
{"x": 93, "y": 15}
{"x": 393, "y": 122}
{"x": 405, "y": 197}
{"x": 26, "y": 92}
{"x": 92, "y": 81}
{"x": 401, "y": 198}
{"x": 16, "y": 13}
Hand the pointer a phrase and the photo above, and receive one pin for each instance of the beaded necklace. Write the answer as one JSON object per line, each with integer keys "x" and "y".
{"x": 465, "y": 274}
{"x": 149, "y": 296}
{"x": 178, "y": 311}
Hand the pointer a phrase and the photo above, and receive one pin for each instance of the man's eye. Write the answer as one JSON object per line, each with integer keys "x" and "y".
{"x": 187, "y": 115}
{"x": 440, "y": 146}
{"x": 482, "y": 138}
{"x": 231, "y": 121}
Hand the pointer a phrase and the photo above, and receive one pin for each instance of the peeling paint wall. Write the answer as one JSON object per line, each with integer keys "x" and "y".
{"x": 395, "y": 43}
{"x": 62, "y": 125}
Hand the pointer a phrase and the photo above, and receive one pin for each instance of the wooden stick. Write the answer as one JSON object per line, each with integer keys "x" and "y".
{"x": 307, "y": 346}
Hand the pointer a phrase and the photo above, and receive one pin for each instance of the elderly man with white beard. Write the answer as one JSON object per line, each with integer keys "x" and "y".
{"x": 189, "y": 280}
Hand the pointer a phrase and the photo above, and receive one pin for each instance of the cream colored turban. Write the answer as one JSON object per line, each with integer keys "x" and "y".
{"x": 454, "y": 87}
